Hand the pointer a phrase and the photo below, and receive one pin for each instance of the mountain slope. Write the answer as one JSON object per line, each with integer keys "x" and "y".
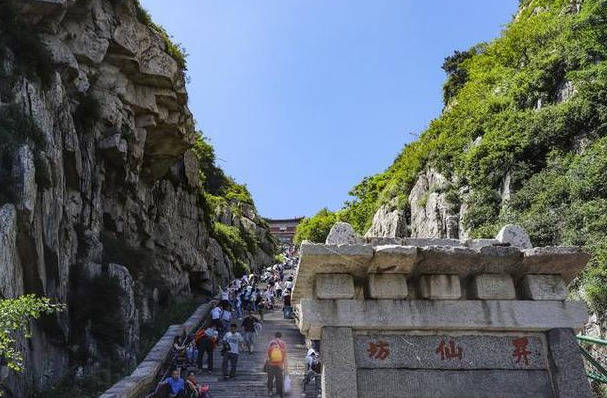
{"x": 521, "y": 140}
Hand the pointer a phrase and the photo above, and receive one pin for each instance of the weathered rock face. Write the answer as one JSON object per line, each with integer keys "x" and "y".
{"x": 514, "y": 236}
{"x": 431, "y": 213}
{"x": 112, "y": 193}
{"x": 388, "y": 222}
{"x": 342, "y": 233}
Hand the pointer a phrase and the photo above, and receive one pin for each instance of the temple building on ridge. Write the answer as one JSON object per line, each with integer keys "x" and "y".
{"x": 284, "y": 229}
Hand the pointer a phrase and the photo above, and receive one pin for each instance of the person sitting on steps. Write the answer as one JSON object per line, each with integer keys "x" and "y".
{"x": 171, "y": 387}
{"x": 195, "y": 390}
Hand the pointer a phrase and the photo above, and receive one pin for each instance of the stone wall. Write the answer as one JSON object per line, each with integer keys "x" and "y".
{"x": 481, "y": 319}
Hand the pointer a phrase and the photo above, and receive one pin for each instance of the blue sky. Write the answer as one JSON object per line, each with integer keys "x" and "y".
{"x": 303, "y": 98}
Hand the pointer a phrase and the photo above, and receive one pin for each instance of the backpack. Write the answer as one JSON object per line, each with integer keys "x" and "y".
{"x": 200, "y": 334}
{"x": 275, "y": 354}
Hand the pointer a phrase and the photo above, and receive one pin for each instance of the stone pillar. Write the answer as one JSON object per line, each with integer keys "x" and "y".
{"x": 338, "y": 363}
{"x": 566, "y": 365}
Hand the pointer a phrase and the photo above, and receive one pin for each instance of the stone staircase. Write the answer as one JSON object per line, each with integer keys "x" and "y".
{"x": 250, "y": 380}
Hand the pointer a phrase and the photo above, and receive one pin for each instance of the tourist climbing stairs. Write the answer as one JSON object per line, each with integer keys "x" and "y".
{"x": 250, "y": 380}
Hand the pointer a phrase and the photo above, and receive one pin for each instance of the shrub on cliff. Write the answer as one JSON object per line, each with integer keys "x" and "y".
{"x": 15, "y": 317}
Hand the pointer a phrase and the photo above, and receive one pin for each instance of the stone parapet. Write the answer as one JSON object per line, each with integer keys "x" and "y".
{"x": 143, "y": 377}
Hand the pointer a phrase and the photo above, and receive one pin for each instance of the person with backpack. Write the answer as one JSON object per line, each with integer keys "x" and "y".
{"x": 206, "y": 340}
{"x": 248, "y": 325}
{"x": 276, "y": 364}
{"x": 232, "y": 342}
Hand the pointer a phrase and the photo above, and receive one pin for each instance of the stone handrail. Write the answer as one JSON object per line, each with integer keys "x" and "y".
{"x": 143, "y": 377}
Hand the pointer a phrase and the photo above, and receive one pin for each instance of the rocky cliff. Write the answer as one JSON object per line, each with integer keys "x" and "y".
{"x": 102, "y": 199}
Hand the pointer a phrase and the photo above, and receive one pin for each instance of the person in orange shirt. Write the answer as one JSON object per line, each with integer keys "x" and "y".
{"x": 276, "y": 364}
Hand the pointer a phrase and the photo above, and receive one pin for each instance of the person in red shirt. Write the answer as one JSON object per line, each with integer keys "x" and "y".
{"x": 276, "y": 364}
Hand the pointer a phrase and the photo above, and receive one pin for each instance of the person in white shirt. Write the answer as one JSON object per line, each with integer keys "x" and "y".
{"x": 216, "y": 317}
{"x": 232, "y": 341}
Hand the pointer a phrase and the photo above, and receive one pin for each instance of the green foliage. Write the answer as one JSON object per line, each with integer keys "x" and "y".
{"x": 566, "y": 203}
{"x": 457, "y": 75}
{"x": 175, "y": 50}
{"x": 280, "y": 258}
{"x": 316, "y": 228}
{"x": 15, "y": 316}
{"x": 231, "y": 240}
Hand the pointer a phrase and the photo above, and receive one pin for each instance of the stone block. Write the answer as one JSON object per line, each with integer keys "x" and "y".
{"x": 493, "y": 287}
{"x": 334, "y": 286}
{"x": 566, "y": 365}
{"x": 339, "y": 364}
{"x": 403, "y": 383}
{"x": 565, "y": 260}
{"x": 544, "y": 287}
{"x": 440, "y": 287}
{"x": 388, "y": 286}
{"x": 393, "y": 259}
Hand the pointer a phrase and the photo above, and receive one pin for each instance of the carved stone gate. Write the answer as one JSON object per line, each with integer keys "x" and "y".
{"x": 442, "y": 321}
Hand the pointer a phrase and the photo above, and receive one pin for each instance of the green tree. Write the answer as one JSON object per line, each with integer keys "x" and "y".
{"x": 316, "y": 228}
{"x": 15, "y": 315}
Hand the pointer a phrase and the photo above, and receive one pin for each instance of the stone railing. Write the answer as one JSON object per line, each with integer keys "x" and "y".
{"x": 144, "y": 376}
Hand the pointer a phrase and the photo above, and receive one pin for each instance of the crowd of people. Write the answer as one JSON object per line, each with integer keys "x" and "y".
{"x": 244, "y": 299}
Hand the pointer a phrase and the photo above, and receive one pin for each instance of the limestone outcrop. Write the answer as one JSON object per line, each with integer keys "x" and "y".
{"x": 388, "y": 222}
{"x": 102, "y": 189}
{"x": 431, "y": 213}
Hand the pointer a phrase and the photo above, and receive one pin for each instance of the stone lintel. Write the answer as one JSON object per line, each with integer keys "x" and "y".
{"x": 493, "y": 287}
{"x": 544, "y": 287}
{"x": 440, "y": 287}
{"x": 334, "y": 286}
{"x": 388, "y": 286}
{"x": 479, "y": 315}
